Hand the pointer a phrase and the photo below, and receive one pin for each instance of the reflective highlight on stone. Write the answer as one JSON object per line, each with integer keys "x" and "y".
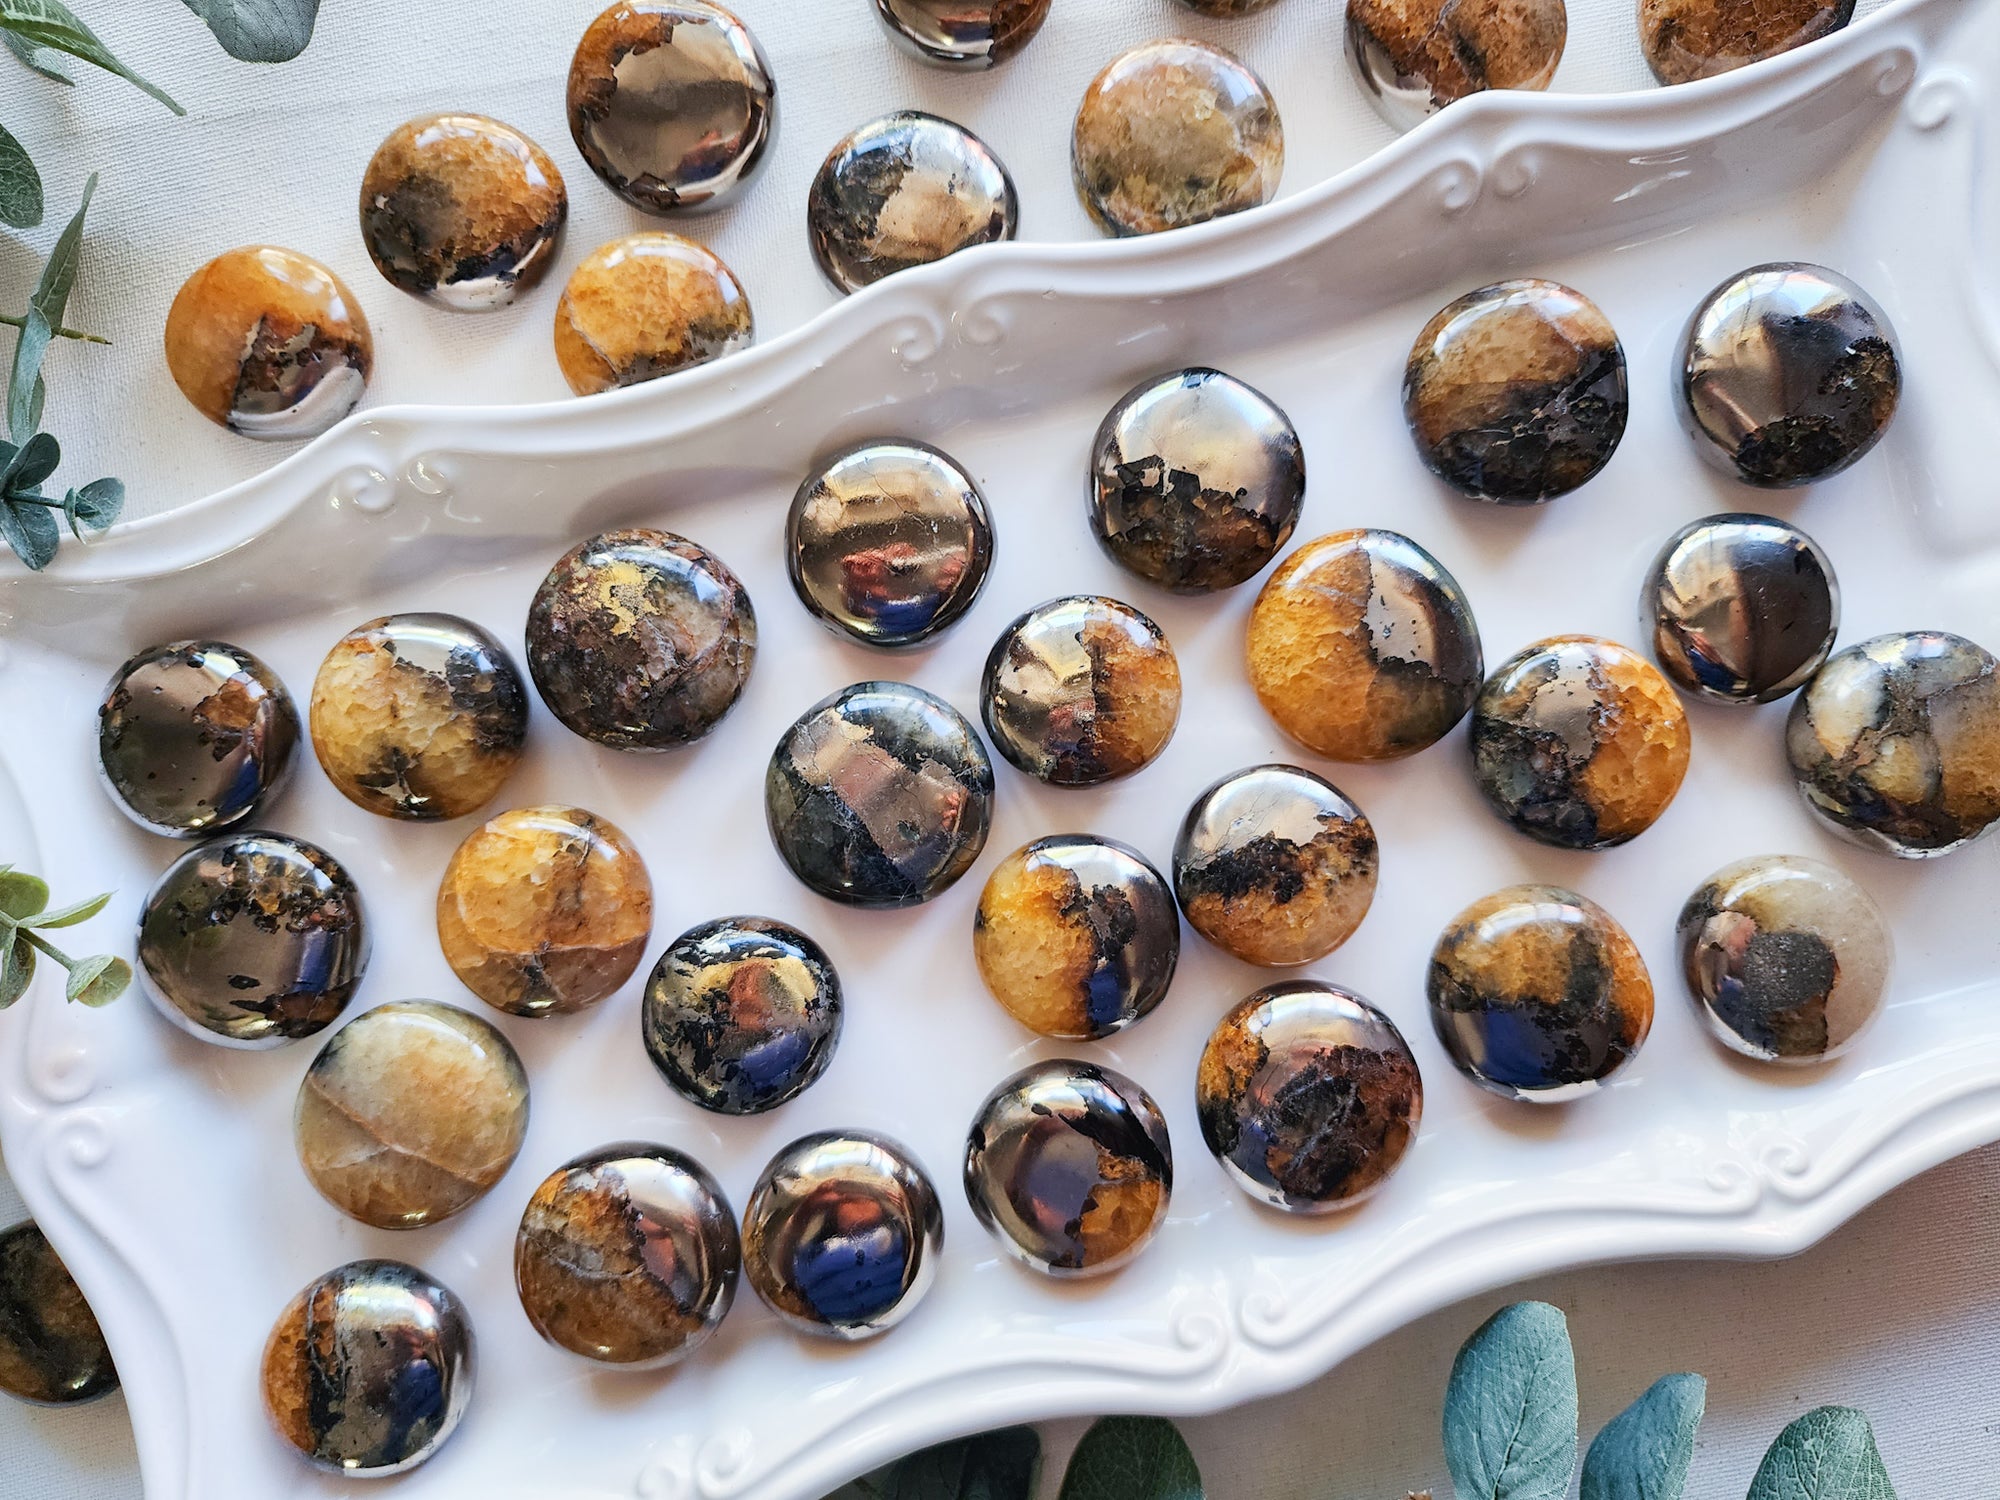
{"x": 1896, "y": 743}
{"x": 52, "y": 1353}
{"x": 1740, "y": 608}
{"x": 1579, "y": 742}
{"x": 1789, "y": 374}
{"x": 410, "y": 1113}
{"x": 963, "y": 34}
{"x": 369, "y": 1370}
{"x": 544, "y": 911}
{"x": 903, "y": 191}
{"x": 1076, "y": 936}
{"x": 1308, "y": 1096}
{"x": 194, "y": 736}
{"x": 1538, "y": 995}
{"x": 1173, "y": 133}
{"x": 1363, "y": 647}
{"x": 269, "y": 343}
{"x": 843, "y": 1233}
{"x": 1069, "y": 1166}
{"x": 253, "y": 940}
{"x": 1081, "y": 691}
{"x": 1786, "y": 958}
{"x": 1689, "y": 39}
{"x": 1516, "y": 393}
{"x": 1196, "y": 481}
{"x": 880, "y": 795}
{"x": 1413, "y": 57}
{"x": 419, "y": 716}
{"x": 462, "y": 211}
{"x": 641, "y": 640}
{"x": 1275, "y": 865}
{"x": 889, "y": 543}
{"x": 628, "y": 1256}
{"x": 645, "y": 306}
{"x": 742, "y": 1014}
{"x": 671, "y": 102}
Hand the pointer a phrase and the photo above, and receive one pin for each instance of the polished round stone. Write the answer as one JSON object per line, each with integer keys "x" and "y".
{"x": 1196, "y": 481}
{"x": 1069, "y": 1166}
{"x": 645, "y": 306}
{"x": 1308, "y": 1096}
{"x": 544, "y": 911}
{"x": 462, "y": 211}
{"x": 1413, "y": 57}
{"x": 1275, "y": 865}
{"x": 963, "y": 34}
{"x": 253, "y": 940}
{"x": 1363, "y": 647}
{"x": 628, "y": 1256}
{"x": 1786, "y": 958}
{"x": 1740, "y": 608}
{"x": 419, "y": 716}
{"x": 1081, "y": 691}
{"x": 889, "y": 543}
{"x": 410, "y": 1113}
{"x": 1516, "y": 393}
{"x": 1172, "y": 133}
{"x": 671, "y": 102}
{"x": 880, "y": 795}
{"x": 369, "y": 1370}
{"x": 1895, "y": 743}
{"x": 641, "y": 640}
{"x": 1537, "y": 994}
{"x": 1788, "y": 374}
{"x": 843, "y": 1234}
{"x": 1579, "y": 742}
{"x": 903, "y": 191}
{"x": 1076, "y": 936}
{"x": 742, "y": 1014}
{"x": 52, "y": 1353}
{"x": 194, "y": 736}
{"x": 269, "y": 343}
{"x": 1688, "y": 39}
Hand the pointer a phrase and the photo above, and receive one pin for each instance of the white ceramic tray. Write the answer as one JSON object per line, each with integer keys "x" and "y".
{"x": 163, "y": 1169}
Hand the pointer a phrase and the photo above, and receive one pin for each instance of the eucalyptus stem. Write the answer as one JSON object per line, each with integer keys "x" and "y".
{"x": 35, "y": 940}
{"x": 10, "y": 321}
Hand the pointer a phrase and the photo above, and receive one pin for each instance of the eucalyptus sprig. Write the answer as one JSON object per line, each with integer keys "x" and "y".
{"x": 24, "y": 917}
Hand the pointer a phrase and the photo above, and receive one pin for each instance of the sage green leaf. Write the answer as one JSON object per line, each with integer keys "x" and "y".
{"x": 1510, "y": 1408}
{"x": 23, "y": 895}
{"x": 1132, "y": 1458}
{"x": 40, "y": 59}
{"x": 1644, "y": 1452}
{"x": 265, "y": 31}
{"x": 31, "y": 531}
{"x": 29, "y": 464}
{"x": 68, "y": 916}
{"x": 94, "y": 507}
{"x": 50, "y": 23}
{"x": 17, "y": 967}
{"x": 46, "y": 307}
{"x": 98, "y": 981}
{"x": 1828, "y": 1454}
{"x": 992, "y": 1466}
{"x": 20, "y": 184}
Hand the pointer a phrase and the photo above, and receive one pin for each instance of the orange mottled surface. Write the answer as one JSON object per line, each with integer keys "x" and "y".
{"x": 644, "y": 306}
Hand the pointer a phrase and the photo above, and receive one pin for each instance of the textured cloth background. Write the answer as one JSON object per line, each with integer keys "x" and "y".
{"x": 1897, "y": 1314}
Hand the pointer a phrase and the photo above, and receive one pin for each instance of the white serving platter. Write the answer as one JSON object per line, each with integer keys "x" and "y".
{"x": 163, "y": 1169}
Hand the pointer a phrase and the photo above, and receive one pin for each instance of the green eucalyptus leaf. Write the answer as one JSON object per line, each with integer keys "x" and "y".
{"x": 1644, "y": 1452}
{"x": 50, "y": 23}
{"x": 31, "y": 531}
{"x": 68, "y": 916}
{"x": 94, "y": 507}
{"x": 992, "y": 1466}
{"x": 98, "y": 981}
{"x": 17, "y": 967}
{"x": 1132, "y": 1458}
{"x": 20, "y": 184}
{"x": 46, "y": 307}
{"x": 1827, "y": 1454}
{"x": 265, "y": 31}
{"x": 40, "y": 59}
{"x": 23, "y": 895}
{"x": 31, "y": 463}
{"x": 1510, "y": 1408}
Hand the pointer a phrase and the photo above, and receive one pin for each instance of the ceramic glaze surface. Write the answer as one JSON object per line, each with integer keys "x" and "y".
{"x": 963, "y": 34}
{"x": 1689, "y": 39}
{"x": 253, "y": 940}
{"x": 628, "y": 1256}
{"x": 644, "y": 306}
{"x": 1413, "y": 57}
{"x": 194, "y": 736}
{"x": 52, "y": 1353}
{"x": 1069, "y": 1166}
{"x": 842, "y": 1235}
